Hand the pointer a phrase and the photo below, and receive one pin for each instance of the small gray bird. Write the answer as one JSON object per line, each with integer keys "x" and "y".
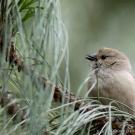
{"x": 113, "y": 72}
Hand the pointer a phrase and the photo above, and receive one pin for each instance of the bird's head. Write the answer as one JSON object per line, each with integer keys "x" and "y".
{"x": 110, "y": 59}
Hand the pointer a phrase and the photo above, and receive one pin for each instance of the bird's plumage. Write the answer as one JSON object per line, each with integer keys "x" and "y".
{"x": 115, "y": 79}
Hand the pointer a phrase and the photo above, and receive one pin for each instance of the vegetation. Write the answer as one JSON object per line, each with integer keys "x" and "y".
{"x": 34, "y": 98}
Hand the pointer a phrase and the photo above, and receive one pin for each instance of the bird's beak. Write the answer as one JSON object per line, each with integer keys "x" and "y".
{"x": 91, "y": 57}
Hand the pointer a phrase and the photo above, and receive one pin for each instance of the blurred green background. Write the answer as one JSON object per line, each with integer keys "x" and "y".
{"x": 93, "y": 24}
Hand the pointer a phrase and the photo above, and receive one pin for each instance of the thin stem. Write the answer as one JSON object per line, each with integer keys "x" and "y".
{"x": 97, "y": 86}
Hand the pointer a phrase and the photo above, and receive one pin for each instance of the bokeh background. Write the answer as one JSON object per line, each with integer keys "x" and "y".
{"x": 93, "y": 24}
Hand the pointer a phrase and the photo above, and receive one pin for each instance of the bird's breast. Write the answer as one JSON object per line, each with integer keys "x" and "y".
{"x": 118, "y": 86}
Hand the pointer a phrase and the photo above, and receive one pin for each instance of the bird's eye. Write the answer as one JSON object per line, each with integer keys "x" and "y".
{"x": 103, "y": 57}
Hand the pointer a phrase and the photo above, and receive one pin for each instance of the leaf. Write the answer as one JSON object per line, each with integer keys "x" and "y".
{"x": 28, "y": 15}
{"x": 26, "y": 4}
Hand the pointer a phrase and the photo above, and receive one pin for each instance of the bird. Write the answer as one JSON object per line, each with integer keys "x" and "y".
{"x": 112, "y": 71}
